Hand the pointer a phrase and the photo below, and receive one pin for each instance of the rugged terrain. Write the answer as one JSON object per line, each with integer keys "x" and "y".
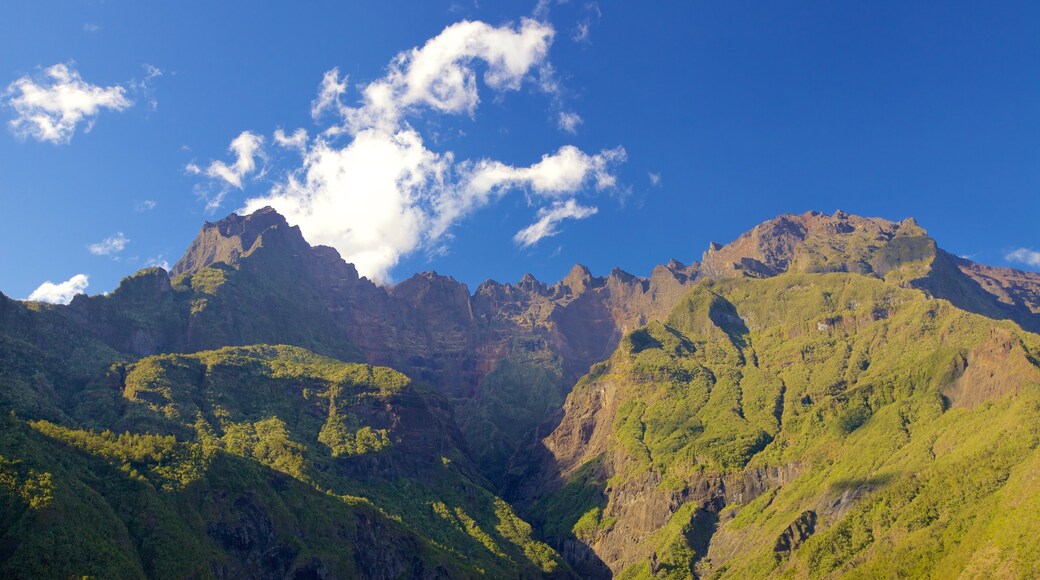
{"x": 825, "y": 395}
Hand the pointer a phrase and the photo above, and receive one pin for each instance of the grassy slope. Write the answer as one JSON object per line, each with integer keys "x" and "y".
{"x": 74, "y": 505}
{"x": 844, "y": 379}
{"x": 311, "y": 444}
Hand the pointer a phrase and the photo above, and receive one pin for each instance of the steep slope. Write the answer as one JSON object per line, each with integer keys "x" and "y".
{"x": 802, "y": 424}
{"x": 262, "y": 461}
{"x": 44, "y": 357}
{"x": 83, "y": 504}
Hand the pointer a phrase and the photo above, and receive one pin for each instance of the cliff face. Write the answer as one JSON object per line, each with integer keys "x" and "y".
{"x": 429, "y": 326}
{"x": 254, "y": 279}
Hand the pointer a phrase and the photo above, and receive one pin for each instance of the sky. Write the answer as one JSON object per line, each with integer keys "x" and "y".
{"x": 492, "y": 139}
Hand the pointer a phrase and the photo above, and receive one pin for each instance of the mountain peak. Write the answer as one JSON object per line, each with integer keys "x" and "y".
{"x": 812, "y": 242}
{"x": 230, "y": 238}
{"x": 578, "y": 279}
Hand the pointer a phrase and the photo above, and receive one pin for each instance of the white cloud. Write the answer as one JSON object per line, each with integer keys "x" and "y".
{"x": 329, "y": 94}
{"x": 548, "y": 220}
{"x": 297, "y": 141}
{"x": 246, "y": 148}
{"x": 541, "y": 9}
{"x": 655, "y": 178}
{"x": 364, "y": 199}
{"x": 569, "y": 121}
{"x": 51, "y": 106}
{"x": 565, "y": 172}
{"x": 61, "y": 293}
{"x": 440, "y": 75}
{"x": 369, "y": 185}
{"x": 1024, "y": 256}
{"x": 91, "y": 27}
{"x": 110, "y": 245}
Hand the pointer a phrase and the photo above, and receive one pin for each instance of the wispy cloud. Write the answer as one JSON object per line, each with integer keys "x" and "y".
{"x": 49, "y": 107}
{"x": 582, "y": 33}
{"x": 145, "y": 205}
{"x": 369, "y": 185}
{"x": 297, "y": 141}
{"x": 61, "y": 293}
{"x": 110, "y": 245}
{"x": 91, "y": 27}
{"x": 549, "y": 219}
{"x": 655, "y": 178}
{"x": 1024, "y": 256}
{"x": 246, "y": 148}
{"x": 329, "y": 94}
{"x": 569, "y": 121}
{"x": 143, "y": 88}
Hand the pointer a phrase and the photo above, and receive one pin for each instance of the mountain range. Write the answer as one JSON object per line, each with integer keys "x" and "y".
{"x": 827, "y": 395}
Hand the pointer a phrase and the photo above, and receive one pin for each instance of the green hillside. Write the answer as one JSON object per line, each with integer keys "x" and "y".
{"x": 806, "y": 425}
{"x": 265, "y": 460}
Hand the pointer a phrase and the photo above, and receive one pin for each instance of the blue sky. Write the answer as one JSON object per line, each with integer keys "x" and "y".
{"x": 513, "y": 138}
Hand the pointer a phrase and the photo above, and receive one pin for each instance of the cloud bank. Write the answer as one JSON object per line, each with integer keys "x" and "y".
{"x": 369, "y": 186}
{"x": 61, "y": 293}
{"x": 52, "y": 106}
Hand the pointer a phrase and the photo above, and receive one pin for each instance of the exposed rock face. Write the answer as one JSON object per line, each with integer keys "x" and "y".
{"x": 254, "y": 279}
{"x": 796, "y": 533}
{"x": 228, "y": 240}
{"x": 429, "y": 326}
{"x": 1018, "y": 289}
{"x": 998, "y": 367}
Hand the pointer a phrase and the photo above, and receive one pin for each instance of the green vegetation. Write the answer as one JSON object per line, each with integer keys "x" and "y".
{"x": 513, "y": 400}
{"x": 271, "y": 442}
{"x": 831, "y": 421}
{"x": 558, "y": 514}
{"x": 907, "y": 427}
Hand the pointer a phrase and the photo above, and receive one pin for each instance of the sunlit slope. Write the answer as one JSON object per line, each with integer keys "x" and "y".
{"x": 804, "y": 424}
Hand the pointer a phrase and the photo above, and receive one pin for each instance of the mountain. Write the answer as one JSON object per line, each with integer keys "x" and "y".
{"x": 826, "y": 395}
{"x": 263, "y": 461}
{"x": 814, "y": 242}
{"x": 814, "y": 410}
{"x": 255, "y": 280}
